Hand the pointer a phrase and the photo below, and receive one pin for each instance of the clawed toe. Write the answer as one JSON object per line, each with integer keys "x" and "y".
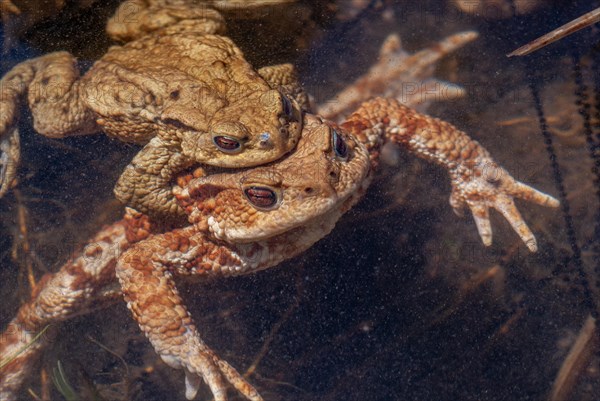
{"x": 9, "y": 159}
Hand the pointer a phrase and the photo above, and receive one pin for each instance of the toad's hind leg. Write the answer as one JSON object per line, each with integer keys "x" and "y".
{"x": 51, "y": 84}
{"x": 85, "y": 283}
{"x": 477, "y": 180}
{"x": 145, "y": 272}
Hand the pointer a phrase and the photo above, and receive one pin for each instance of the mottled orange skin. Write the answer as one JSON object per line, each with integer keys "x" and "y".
{"x": 227, "y": 235}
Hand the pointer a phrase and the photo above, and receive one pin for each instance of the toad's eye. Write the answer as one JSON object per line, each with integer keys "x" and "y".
{"x": 288, "y": 109}
{"x": 339, "y": 145}
{"x": 227, "y": 144}
{"x": 262, "y": 197}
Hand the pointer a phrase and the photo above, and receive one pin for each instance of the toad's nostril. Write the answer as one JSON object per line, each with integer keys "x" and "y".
{"x": 309, "y": 190}
{"x": 265, "y": 139}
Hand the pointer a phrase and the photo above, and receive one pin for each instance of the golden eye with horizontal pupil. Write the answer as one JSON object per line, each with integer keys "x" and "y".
{"x": 339, "y": 145}
{"x": 227, "y": 144}
{"x": 263, "y": 198}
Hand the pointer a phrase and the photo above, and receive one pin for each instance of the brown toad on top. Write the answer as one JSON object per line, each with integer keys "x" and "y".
{"x": 242, "y": 221}
{"x": 178, "y": 86}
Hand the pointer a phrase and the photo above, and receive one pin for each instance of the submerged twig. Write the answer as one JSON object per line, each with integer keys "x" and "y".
{"x": 576, "y": 361}
{"x": 565, "y": 30}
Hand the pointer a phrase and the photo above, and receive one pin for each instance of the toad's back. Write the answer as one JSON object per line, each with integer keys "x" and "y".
{"x": 134, "y": 83}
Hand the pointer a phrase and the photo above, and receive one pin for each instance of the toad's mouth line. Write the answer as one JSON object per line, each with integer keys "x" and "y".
{"x": 313, "y": 227}
{"x": 321, "y": 216}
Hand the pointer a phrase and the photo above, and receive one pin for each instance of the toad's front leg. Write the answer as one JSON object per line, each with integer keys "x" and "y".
{"x": 147, "y": 181}
{"x": 477, "y": 181}
{"x": 51, "y": 84}
{"x": 146, "y": 275}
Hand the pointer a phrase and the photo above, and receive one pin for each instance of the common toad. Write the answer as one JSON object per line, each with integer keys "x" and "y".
{"x": 242, "y": 221}
{"x": 178, "y": 86}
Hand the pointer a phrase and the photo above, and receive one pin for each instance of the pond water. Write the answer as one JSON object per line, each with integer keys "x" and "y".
{"x": 401, "y": 301}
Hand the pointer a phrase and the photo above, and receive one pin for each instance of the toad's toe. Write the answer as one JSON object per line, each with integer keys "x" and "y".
{"x": 192, "y": 384}
{"x": 506, "y": 206}
{"x": 530, "y": 194}
{"x": 482, "y": 221}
